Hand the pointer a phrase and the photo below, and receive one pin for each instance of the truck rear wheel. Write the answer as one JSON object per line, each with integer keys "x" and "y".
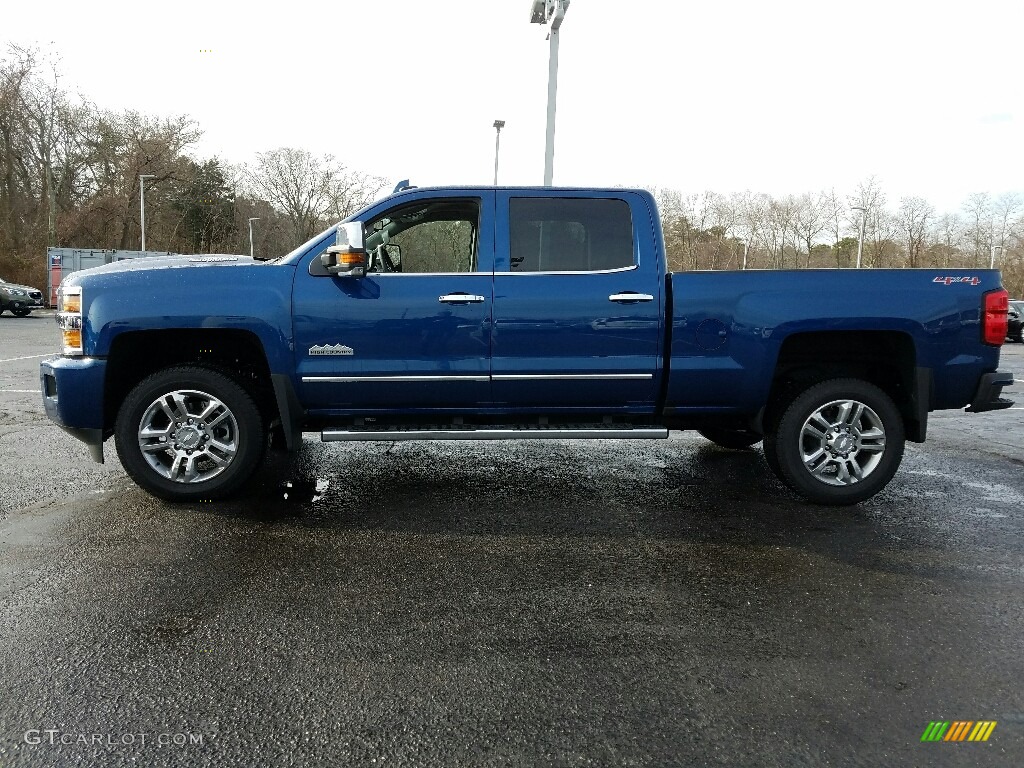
{"x": 188, "y": 433}
{"x": 838, "y": 442}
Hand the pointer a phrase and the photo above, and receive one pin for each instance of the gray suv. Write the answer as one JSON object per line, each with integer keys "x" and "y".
{"x": 20, "y": 299}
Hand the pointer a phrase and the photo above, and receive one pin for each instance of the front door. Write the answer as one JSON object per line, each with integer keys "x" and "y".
{"x": 415, "y": 332}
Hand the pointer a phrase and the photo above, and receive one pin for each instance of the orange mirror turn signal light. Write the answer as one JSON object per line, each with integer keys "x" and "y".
{"x": 352, "y": 259}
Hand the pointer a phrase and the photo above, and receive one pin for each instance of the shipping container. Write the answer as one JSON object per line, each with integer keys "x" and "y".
{"x": 64, "y": 261}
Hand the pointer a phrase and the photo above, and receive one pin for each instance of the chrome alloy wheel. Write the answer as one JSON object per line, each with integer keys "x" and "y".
{"x": 842, "y": 442}
{"x": 188, "y": 436}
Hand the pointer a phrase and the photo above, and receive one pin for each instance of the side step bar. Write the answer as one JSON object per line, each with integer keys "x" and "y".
{"x": 469, "y": 432}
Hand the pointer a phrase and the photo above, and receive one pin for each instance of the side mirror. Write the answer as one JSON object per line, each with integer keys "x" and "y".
{"x": 347, "y": 257}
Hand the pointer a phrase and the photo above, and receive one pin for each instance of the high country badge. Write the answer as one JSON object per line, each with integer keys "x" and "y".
{"x": 329, "y": 349}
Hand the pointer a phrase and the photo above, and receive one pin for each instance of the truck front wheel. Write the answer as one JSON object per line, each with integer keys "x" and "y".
{"x": 188, "y": 433}
{"x": 838, "y": 442}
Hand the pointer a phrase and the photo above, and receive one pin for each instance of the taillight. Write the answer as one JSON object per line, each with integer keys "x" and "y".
{"x": 993, "y": 327}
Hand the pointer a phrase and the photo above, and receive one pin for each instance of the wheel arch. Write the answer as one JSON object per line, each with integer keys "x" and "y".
{"x": 887, "y": 359}
{"x": 236, "y": 353}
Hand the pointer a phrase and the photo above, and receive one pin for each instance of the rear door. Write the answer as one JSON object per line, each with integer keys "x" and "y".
{"x": 577, "y": 303}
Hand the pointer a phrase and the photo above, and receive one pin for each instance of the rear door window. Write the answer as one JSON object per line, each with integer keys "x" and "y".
{"x": 569, "y": 235}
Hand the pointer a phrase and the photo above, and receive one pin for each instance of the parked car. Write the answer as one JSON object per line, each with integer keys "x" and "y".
{"x": 20, "y": 299}
{"x": 510, "y": 314}
{"x": 1015, "y": 321}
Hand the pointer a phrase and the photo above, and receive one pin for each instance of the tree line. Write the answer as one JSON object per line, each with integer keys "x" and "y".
{"x": 716, "y": 231}
{"x": 69, "y": 176}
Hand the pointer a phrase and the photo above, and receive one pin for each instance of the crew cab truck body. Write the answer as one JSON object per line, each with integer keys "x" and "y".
{"x": 514, "y": 313}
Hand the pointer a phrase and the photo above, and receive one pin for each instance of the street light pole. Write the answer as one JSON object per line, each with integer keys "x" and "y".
{"x": 746, "y": 247}
{"x": 257, "y": 218}
{"x": 860, "y": 240}
{"x": 550, "y": 12}
{"x": 498, "y": 125}
{"x": 142, "y": 203}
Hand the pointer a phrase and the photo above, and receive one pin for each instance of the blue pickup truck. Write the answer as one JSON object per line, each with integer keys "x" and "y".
{"x": 514, "y": 313}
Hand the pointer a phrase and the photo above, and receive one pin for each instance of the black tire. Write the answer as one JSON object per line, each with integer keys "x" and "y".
{"x": 242, "y": 430}
{"x": 771, "y": 427}
{"x": 771, "y": 458}
{"x": 877, "y": 456}
{"x": 733, "y": 439}
{"x": 21, "y": 312}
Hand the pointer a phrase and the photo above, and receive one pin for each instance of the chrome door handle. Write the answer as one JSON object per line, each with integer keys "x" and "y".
{"x": 624, "y": 298}
{"x": 460, "y": 298}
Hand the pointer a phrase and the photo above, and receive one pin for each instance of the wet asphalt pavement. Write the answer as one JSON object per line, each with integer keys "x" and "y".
{"x": 538, "y": 603}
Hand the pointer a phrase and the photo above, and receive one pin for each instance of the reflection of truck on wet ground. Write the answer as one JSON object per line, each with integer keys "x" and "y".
{"x": 515, "y": 313}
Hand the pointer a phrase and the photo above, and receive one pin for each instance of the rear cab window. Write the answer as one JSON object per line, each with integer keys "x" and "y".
{"x": 549, "y": 234}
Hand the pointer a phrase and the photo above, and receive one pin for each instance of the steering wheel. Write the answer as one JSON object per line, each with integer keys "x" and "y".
{"x": 381, "y": 253}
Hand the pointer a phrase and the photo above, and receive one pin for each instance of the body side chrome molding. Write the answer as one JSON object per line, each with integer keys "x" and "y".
{"x": 496, "y": 377}
{"x": 343, "y": 379}
{"x": 570, "y": 376}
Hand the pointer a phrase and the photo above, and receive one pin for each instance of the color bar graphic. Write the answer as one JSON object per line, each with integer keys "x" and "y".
{"x": 958, "y": 730}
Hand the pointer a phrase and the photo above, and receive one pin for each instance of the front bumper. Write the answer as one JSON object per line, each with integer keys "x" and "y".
{"x": 72, "y": 389}
{"x": 987, "y": 398}
{"x": 21, "y": 302}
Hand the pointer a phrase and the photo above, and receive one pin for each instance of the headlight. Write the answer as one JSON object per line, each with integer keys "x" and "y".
{"x": 69, "y": 319}
{"x": 16, "y": 292}
{"x": 70, "y": 302}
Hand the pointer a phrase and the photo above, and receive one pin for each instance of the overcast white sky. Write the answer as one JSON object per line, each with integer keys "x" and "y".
{"x": 778, "y": 97}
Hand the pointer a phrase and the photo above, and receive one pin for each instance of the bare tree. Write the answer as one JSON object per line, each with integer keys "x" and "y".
{"x": 298, "y": 183}
{"x": 307, "y": 188}
{"x": 978, "y": 208}
{"x": 1004, "y": 208}
{"x": 777, "y": 226}
{"x": 947, "y": 236}
{"x": 751, "y": 213}
{"x": 809, "y": 220}
{"x": 913, "y": 218}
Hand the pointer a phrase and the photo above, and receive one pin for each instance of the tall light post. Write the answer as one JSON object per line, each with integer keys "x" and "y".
{"x": 550, "y": 12}
{"x": 860, "y": 240}
{"x": 498, "y": 125}
{"x": 256, "y": 218}
{"x": 992, "y": 261}
{"x": 142, "y": 203}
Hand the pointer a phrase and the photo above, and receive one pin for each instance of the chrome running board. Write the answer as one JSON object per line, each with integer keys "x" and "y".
{"x": 524, "y": 432}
